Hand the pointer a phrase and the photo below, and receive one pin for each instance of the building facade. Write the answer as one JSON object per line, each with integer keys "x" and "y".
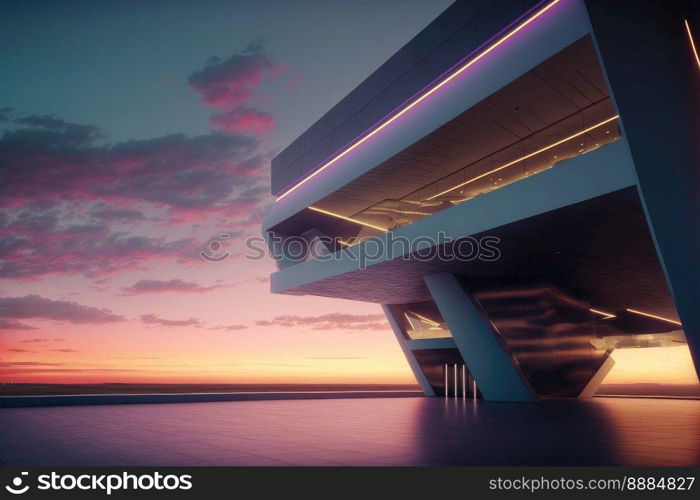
{"x": 518, "y": 187}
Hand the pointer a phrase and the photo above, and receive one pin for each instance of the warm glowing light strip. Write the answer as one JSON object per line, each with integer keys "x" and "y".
{"x": 692, "y": 43}
{"x": 406, "y": 212}
{"x": 348, "y": 244}
{"x": 424, "y": 319}
{"x": 349, "y": 219}
{"x": 421, "y": 98}
{"x": 602, "y": 313}
{"x": 655, "y": 317}
{"x": 530, "y": 155}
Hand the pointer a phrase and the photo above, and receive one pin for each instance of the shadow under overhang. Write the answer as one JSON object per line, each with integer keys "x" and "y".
{"x": 599, "y": 250}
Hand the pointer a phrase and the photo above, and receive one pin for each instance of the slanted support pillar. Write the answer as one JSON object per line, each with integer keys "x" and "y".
{"x": 415, "y": 367}
{"x": 647, "y": 41}
{"x": 597, "y": 379}
{"x": 485, "y": 353}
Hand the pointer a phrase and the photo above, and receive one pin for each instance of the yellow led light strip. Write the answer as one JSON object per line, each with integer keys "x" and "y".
{"x": 654, "y": 316}
{"x": 602, "y": 313}
{"x": 424, "y": 319}
{"x": 530, "y": 155}
{"x": 420, "y": 99}
{"x": 349, "y": 219}
{"x": 692, "y": 43}
{"x": 406, "y": 212}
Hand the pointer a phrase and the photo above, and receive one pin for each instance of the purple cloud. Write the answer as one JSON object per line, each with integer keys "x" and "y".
{"x": 229, "y": 328}
{"x": 7, "y": 324}
{"x": 230, "y": 85}
{"x": 33, "y": 246}
{"x": 174, "y": 285}
{"x": 331, "y": 321}
{"x": 118, "y": 215}
{"x": 244, "y": 120}
{"x": 152, "y": 319}
{"x": 36, "y": 307}
{"x": 66, "y": 195}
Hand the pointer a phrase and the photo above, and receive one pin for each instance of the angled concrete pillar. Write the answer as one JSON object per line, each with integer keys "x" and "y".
{"x": 415, "y": 367}
{"x": 485, "y": 353}
{"x": 597, "y": 379}
{"x": 654, "y": 79}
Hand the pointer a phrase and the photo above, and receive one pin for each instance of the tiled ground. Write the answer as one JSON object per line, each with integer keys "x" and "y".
{"x": 400, "y": 431}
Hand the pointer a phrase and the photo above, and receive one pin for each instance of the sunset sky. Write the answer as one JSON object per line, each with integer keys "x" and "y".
{"x": 133, "y": 134}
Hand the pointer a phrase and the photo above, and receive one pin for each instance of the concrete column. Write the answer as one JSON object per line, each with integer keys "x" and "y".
{"x": 415, "y": 367}
{"x": 597, "y": 379}
{"x": 485, "y": 353}
{"x": 655, "y": 83}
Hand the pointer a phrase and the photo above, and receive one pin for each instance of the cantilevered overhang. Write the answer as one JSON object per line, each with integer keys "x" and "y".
{"x": 561, "y": 25}
{"x": 580, "y": 227}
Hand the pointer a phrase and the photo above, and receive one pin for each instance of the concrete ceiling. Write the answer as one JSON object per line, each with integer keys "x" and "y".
{"x": 565, "y": 84}
{"x": 599, "y": 251}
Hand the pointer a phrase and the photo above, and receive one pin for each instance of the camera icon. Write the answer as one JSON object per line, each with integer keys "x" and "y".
{"x": 214, "y": 251}
{"x": 16, "y": 487}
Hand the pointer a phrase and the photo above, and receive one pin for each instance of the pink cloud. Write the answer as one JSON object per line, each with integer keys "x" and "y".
{"x": 34, "y": 245}
{"x": 37, "y": 307}
{"x": 152, "y": 319}
{"x": 243, "y": 120}
{"x": 331, "y": 321}
{"x": 230, "y": 86}
{"x": 166, "y": 286}
{"x": 67, "y": 196}
{"x": 229, "y": 328}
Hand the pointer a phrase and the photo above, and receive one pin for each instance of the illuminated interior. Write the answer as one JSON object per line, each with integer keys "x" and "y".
{"x": 421, "y": 320}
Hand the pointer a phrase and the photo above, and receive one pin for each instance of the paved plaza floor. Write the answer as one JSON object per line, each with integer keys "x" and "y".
{"x": 379, "y": 431}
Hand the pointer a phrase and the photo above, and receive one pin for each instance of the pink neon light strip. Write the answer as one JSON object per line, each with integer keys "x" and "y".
{"x": 420, "y": 99}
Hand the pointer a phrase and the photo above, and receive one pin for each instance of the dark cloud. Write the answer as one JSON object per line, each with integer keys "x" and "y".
{"x": 19, "y": 350}
{"x": 36, "y": 307}
{"x": 5, "y": 113}
{"x": 63, "y": 350}
{"x": 176, "y": 172}
{"x": 174, "y": 285}
{"x": 118, "y": 215}
{"x": 152, "y": 319}
{"x": 46, "y": 176}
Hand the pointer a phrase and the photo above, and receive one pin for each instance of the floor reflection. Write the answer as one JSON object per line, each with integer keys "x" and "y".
{"x": 398, "y": 431}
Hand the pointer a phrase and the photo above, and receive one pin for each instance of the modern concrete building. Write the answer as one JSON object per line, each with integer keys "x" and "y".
{"x": 518, "y": 187}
